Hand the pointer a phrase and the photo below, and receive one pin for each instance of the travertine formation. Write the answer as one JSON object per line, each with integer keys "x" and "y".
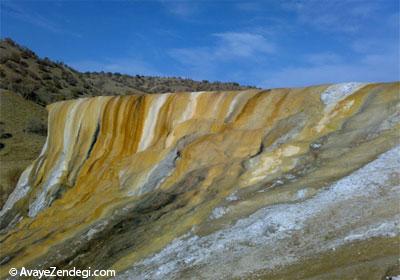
{"x": 275, "y": 184}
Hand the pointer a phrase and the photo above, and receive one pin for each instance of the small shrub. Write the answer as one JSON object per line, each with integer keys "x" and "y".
{"x": 46, "y": 76}
{"x": 15, "y": 57}
{"x": 10, "y": 41}
{"x": 23, "y": 63}
{"x": 46, "y": 61}
{"x": 27, "y": 53}
{"x": 69, "y": 78}
{"x": 33, "y": 75}
{"x": 77, "y": 93}
{"x": 6, "y": 135}
{"x": 37, "y": 126}
{"x": 16, "y": 79}
{"x": 43, "y": 68}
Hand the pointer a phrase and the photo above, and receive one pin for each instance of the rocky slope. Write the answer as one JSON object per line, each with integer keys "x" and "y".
{"x": 45, "y": 81}
{"x": 275, "y": 184}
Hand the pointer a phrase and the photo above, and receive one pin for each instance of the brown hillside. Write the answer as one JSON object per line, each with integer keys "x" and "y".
{"x": 44, "y": 81}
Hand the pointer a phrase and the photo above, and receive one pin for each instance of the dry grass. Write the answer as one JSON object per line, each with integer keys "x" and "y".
{"x": 16, "y": 115}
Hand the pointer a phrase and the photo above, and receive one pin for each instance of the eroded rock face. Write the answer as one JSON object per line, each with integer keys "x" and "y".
{"x": 285, "y": 183}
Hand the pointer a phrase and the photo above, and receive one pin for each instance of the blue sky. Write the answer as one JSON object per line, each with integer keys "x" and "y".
{"x": 262, "y": 43}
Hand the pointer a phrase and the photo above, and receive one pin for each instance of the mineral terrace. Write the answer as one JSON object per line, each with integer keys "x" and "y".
{"x": 256, "y": 184}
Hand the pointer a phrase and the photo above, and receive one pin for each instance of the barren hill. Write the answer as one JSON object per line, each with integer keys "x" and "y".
{"x": 44, "y": 81}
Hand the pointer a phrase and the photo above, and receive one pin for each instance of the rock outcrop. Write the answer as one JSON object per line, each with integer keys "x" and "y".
{"x": 274, "y": 184}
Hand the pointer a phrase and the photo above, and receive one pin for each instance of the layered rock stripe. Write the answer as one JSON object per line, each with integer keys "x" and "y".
{"x": 222, "y": 185}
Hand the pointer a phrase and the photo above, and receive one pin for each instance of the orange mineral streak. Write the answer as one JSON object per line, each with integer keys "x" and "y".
{"x": 102, "y": 150}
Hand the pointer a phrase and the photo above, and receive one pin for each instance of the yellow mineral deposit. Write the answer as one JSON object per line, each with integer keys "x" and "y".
{"x": 259, "y": 184}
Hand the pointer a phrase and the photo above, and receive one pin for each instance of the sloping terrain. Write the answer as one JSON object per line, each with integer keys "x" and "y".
{"x": 44, "y": 81}
{"x": 39, "y": 80}
{"x": 274, "y": 184}
{"x": 23, "y": 130}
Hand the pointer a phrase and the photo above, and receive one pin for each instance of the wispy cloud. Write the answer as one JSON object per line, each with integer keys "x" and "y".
{"x": 181, "y": 8}
{"x": 17, "y": 11}
{"x": 227, "y": 46}
{"x": 333, "y": 16}
{"x": 274, "y": 44}
{"x": 236, "y": 44}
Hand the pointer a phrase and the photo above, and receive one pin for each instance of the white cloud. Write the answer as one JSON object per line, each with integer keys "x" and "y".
{"x": 334, "y": 16}
{"x": 229, "y": 46}
{"x": 181, "y": 8}
{"x": 237, "y": 44}
{"x": 17, "y": 11}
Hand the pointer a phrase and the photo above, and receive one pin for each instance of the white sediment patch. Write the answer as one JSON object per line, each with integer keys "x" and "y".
{"x": 267, "y": 164}
{"x": 391, "y": 121}
{"x": 186, "y": 115}
{"x": 158, "y": 173}
{"x": 44, "y": 148}
{"x": 232, "y": 197}
{"x": 333, "y": 94}
{"x": 151, "y": 178}
{"x": 19, "y": 192}
{"x": 290, "y": 150}
{"x": 302, "y": 193}
{"x": 190, "y": 109}
{"x": 218, "y": 212}
{"x": 216, "y": 106}
{"x": 61, "y": 166}
{"x": 380, "y": 229}
{"x": 151, "y": 121}
{"x": 264, "y": 240}
{"x": 234, "y": 103}
{"x": 95, "y": 229}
